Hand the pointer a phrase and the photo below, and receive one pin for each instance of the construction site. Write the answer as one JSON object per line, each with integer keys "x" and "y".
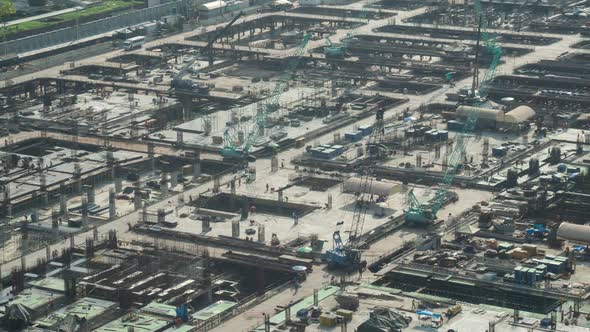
{"x": 385, "y": 165}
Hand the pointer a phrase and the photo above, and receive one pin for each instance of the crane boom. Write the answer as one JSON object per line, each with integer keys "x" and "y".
{"x": 178, "y": 81}
{"x": 232, "y": 147}
{"x": 421, "y": 213}
{"x": 349, "y": 255}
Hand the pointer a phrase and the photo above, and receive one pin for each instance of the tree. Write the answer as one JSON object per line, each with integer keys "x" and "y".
{"x": 6, "y": 9}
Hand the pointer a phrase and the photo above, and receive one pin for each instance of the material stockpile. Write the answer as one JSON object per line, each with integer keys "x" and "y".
{"x": 326, "y": 151}
{"x": 384, "y": 320}
{"x": 536, "y": 269}
{"x": 518, "y": 253}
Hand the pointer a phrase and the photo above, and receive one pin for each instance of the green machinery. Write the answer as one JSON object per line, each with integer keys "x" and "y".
{"x": 335, "y": 51}
{"x": 338, "y": 51}
{"x": 346, "y": 255}
{"x": 179, "y": 83}
{"x": 236, "y": 148}
{"x": 425, "y": 213}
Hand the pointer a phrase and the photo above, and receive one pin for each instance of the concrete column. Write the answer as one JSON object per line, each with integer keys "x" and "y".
{"x": 173, "y": 179}
{"x": 274, "y": 164}
{"x": 151, "y": 155}
{"x": 90, "y": 193}
{"x": 179, "y": 137}
{"x": 63, "y": 202}
{"x": 24, "y": 239}
{"x": 43, "y": 180}
{"x": 161, "y": 216}
{"x": 45, "y": 197}
{"x": 233, "y": 186}
{"x": 164, "y": 184}
{"x": 216, "y": 184}
{"x": 235, "y": 228}
{"x": 112, "y": 204}
{"x": 181, "y": 200}
{"x": 55, "y": 224}
{"x": 261, "y": 233}
{"x": 8, "y": 213}
{"x": 110, "y": 158}
{"x": 210, "y": 295}
{"x": 206, "y": 226}
{"x": 35, "y": 215}
{"x": 78, "y": 186}
{"x": 196, "y": 170}
{"x": 252, "y": 173}
{"x": 118, "y": 184}
{"x": 137, "y": 200}
{"x": 84, "y": 212}
{"x": 288, "y": 314}
{"x": 144, "y": 213}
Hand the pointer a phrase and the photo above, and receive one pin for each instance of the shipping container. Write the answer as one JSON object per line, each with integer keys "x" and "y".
{"x": 353, "y": 136}
{"x": 366, "y": 129}
{"x": 339, "y": 148}
{"x": 455, "y": 125}
{"x": 499, "y": 151}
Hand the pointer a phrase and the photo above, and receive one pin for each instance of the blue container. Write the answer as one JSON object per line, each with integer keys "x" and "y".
{"x": 499, "y": 151}
{"x": 317, "y": 152}
{"x": 455, "y": 125}
{"x": 431, "y": 135}
{"x": 443, "y": 135}
{"x": 531, "y": 276}
{"x": 421, "y": 131}
{"x": 554, "y": 267}
{"x": 339, "y": 148}
{"x": 366, "y": 129}
{"x": 571, "y": 170}
{"x": 330, "y": 153}
{"x": 518, "y": 274}
{"x": 354, "y": 136}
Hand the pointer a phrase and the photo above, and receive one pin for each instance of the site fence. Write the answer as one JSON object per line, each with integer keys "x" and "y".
{"x": 86, "y": 30}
